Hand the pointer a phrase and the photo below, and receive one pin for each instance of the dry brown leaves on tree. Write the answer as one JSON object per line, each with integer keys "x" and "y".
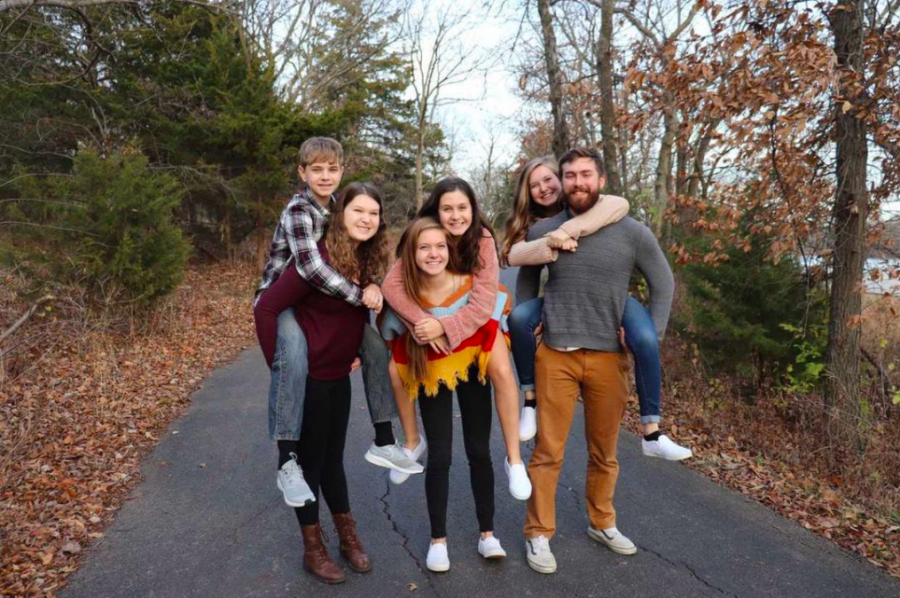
{"x": 82, "y": 411}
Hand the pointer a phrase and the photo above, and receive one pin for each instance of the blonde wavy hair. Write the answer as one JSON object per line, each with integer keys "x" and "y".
{"x": 412, "y": 284}
{"x": 364, "y": 263}
{"x": 526, "y": 212}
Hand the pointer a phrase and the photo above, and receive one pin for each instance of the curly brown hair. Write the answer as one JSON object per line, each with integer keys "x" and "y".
{"x": 364, "y": 263}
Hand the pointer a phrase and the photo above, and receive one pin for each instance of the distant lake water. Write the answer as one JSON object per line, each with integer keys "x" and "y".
{"x": 886, "y": 284}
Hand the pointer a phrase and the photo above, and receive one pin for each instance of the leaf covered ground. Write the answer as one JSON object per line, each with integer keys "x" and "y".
{"x": 80, "y": 405}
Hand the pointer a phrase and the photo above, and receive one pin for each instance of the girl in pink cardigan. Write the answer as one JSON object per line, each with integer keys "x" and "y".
{"x": 453, "y": 204}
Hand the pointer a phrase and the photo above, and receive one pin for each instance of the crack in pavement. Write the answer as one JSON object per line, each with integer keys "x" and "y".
{"x": 690, "y": 570}
{"x": 248, "y": 520}
{"x": 386, "y": 509}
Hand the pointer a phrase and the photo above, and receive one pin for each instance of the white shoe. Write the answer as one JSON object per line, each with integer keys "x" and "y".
{"x": 614, "y": 540}
{"x": 539, "y": 556}
{"x": 397, "y": 477}
{"x": 665, "y": 448}
{"x": 519, "y": 484}
{"x": 490, "y": 548}
{"x": 291, "y": 483}
{"x": 437, "y": 559}
{"x": 392, "y": 457}
{"x": 527, "y": 424}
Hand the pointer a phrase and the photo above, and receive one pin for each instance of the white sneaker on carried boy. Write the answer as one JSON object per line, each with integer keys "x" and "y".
{"x": 519, "y": 484}
{"x": 614, "y": 540}
{"x": 539, "y": 556}
{"x": 490, "y": 548}
{"x": 415, "y": 454}
{"x": 527, "y": 424}
{"x": 290, "y": 481}
{"x": 437, "y": 559}
{"x": 665, "y": 448}
{"x": 393, "y": 457}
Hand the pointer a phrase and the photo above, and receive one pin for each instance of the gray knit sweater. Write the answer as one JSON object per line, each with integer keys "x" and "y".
{"x": 584, "y": 298}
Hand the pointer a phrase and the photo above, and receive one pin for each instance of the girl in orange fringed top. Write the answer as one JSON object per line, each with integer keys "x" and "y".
{"x": 432, "y": 376}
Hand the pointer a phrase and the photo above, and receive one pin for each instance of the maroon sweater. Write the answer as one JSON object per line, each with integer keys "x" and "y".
{"x": 333, "y": 328}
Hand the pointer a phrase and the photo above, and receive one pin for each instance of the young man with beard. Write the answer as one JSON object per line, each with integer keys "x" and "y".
{"x": 584, "y": 299}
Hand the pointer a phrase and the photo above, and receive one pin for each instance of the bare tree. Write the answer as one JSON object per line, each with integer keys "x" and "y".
{"x": 439, "y": 61}
{"x": 554, "y": 77}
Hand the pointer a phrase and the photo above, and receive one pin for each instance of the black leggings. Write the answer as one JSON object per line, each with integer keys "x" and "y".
{"x": 437, "y": 420}
{"x": 326, "y": 413}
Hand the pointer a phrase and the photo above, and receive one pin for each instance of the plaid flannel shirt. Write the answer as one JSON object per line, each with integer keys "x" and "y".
{"x": 299, "y": 229}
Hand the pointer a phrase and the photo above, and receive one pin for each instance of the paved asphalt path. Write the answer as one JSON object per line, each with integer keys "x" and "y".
{"x": 208, "y": 521}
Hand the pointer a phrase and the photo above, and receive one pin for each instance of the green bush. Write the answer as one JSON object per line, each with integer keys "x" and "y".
{"x": 126, "y": 236}
{"x": 755, "y": 318}
{"x": 106, "y": 227}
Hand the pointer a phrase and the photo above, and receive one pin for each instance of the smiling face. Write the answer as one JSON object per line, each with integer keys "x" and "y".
{"x": 543, "y": 186}
{"x": 455, "y": 212}
{"x": 323, "y": 179}
{"x": 432, "y": 252}
{"x": 582, "y": 183}
{"x": 362, "y": 217}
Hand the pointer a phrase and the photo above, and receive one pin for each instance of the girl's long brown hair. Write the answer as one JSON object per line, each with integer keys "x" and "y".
{"x": 412, "y": 282}
{"x": 526, "y": 212}
{"x": 366, "y": 262}
{"x": 466, "y": 259}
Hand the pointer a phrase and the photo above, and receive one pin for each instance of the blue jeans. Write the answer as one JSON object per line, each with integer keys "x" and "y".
{"x": 287, "y": 386}
{"x": 640, "y": 336}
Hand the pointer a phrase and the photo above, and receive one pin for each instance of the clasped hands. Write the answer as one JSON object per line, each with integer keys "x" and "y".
{"x": 430, "y": 331}
{"x": 560, "y": 239}
{"x": 372, "y": 298}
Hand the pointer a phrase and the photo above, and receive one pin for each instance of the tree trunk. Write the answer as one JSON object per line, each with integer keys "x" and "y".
{"x": 260, "y": 238}
{"x": 607, "y": 99}
{"x": 846, "y": 416}
{"x": 560, "y": 131}
{"x": 623, "y": 144}
{"x": 664, "y": 165}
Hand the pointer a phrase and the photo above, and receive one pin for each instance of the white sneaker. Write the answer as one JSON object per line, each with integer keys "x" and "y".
{"x": 398, "y": 478}
{"x": 519, "y": 484}
{"x": 392, "y": 457}
{"x": 527, "y": 424}
{"x": 291, "y": 483}
{"x": 437, "y": 559}
{"x": 539, "y": 556}
{"x": 490, "y": 548}
{"x": 614, "y": 540}
{"x": 665, "y": 448}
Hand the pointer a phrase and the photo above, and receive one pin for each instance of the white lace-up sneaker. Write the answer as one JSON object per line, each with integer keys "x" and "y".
{"x": 490, "y": 548}
{"x": 539, "y": 556}
{"x": 393, "y": 457}
{"x": 398, "y": 478}
{"x": 519, "y": 484}
{"x": 614, "y": 540}
{"x": 527, "y": 424}
{"x": 437, "y": 559}
{"x": 291, "y": 483}
{"x": 665, "y": 448}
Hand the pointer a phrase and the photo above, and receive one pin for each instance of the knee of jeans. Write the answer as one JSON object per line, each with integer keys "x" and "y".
{"x": 643, "y": 340}
{"x": 519, "y": 319}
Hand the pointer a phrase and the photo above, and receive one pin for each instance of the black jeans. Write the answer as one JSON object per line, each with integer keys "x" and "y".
{"x": 437, "y": 420}
{"x": 326, "y": 413}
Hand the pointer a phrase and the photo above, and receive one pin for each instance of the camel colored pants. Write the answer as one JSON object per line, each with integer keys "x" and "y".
{"x": 559, "y": 376}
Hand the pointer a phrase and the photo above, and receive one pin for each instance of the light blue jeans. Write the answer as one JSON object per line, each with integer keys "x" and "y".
{"x": 640, "y": 336}
{"x": 290, "y": 366}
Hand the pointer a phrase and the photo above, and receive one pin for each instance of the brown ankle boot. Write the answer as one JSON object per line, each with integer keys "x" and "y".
{"x": 351, "y": 547}
{"x": 315, "y": 556}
